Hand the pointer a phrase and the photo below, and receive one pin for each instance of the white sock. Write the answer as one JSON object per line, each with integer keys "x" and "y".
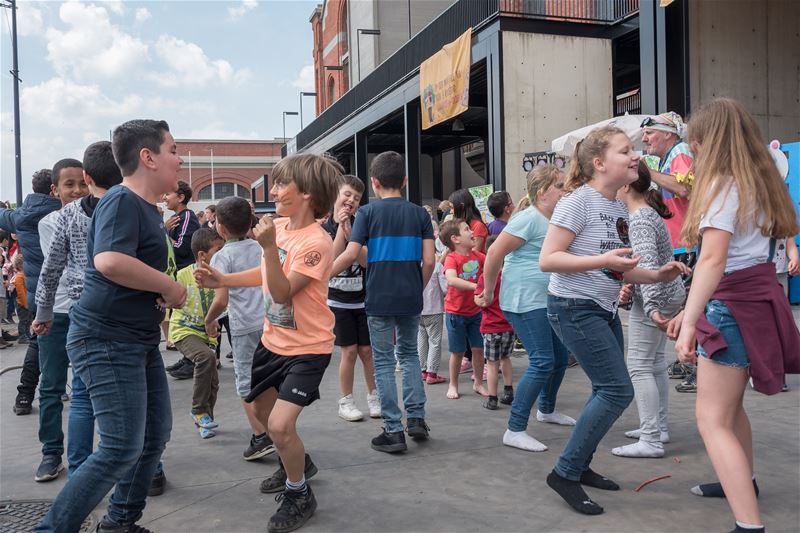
{"x": 744, "y": 525}
{"x": 300, "y": 486}
{"x": 555, "y": 418}
{"x": 523, "y": 441}
{"x": 640, "y": 449}
{"x": 637, "y": 433}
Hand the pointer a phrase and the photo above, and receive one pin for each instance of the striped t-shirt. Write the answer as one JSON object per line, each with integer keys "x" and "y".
{"x": 599, "y": 225}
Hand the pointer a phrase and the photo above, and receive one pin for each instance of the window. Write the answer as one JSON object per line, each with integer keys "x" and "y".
{"x": 331, "y": 91}
{"x": 223, "y": 190}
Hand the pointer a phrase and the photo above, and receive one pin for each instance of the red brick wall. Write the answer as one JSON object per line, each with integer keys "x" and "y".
{"x": 335, "y": 17}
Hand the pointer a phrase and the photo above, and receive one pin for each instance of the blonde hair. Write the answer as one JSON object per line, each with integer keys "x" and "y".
{"x": 524, "y": 203}
{"x": 733, "y": 150}
{"x": 540, "y": 179}
{"x": 318, "y": 176}
{"x": 594, "y": 145}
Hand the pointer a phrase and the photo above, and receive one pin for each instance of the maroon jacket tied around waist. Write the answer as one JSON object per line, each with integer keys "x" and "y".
{"x": 761, "y": 309}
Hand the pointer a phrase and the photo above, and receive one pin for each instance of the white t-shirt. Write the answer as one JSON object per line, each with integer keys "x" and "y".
{"x": 748, "y": 247}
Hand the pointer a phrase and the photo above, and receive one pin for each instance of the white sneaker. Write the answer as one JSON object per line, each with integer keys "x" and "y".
{"x": 374, "y": 405}
{"x": 348, "y": 410}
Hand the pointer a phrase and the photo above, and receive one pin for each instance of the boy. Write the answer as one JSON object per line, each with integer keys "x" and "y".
{"x": 23, "y": 314}
{"x": 114, "y": 334}
{"x": 346, "y": 300}
{"x": 498, "y": 341}
{"x": 61, "y": 283}
{"x": 187, "y": 330}
{"x": 462, "y": 267}
{"x": 245, "y": 309}
{"x": 297, "y": 342}
{"x": 399, "y": 238}
{"x": 500, "y": 206}
{"x": 24, "y": 221}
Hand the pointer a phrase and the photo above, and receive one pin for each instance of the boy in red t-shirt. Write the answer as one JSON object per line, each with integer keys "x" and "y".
{"x": 462, "y": 267}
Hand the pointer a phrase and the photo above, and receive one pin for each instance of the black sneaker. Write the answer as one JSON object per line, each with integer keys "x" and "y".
{"x": 678, "y": 371}
{"x": 491, "y": 403}
{"x": 508, "y": 396}
{"x": 229, "y": 355}
{"x": 258, "y": 448}
{"x": 185, "y": 371}
{"x": 417, "y": 428}
{"x": 571, "y": 361}
{"x": 157, "y": 485}
{"x": 295, "y": 510}
{"x": 49, "y": 468}
{"x": 9, "y": 337}
{"x": 106, "y": 527}
{"x": 22, "y": 405}
{"x": 277, "y": 481}
{"x": 393, "y": 442}
{"x": 687, "y": 385}
{"x": 182, "y": 361}
{"x": 172, "y": 347}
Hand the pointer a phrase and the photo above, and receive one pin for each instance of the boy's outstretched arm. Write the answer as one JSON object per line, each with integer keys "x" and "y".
{"x": 281, "y": 287}
{"x": 208, "y": 277}
{"x": 130, "y": 272}
{"x": 348, "y": 257}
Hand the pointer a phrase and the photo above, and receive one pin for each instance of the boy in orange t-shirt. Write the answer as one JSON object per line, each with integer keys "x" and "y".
{"x": 298, "y": 335}
{"x": 23, "y": 314}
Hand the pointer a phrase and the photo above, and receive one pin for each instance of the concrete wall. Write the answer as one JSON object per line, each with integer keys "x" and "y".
{"x": 749, "y": 50}
{"x": 552, "y": 84}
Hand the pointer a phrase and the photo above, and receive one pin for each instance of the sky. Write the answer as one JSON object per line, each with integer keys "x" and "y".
{"x": 212, "y": 70}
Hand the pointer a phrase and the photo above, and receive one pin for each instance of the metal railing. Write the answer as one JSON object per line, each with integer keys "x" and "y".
{"x": 590, "y": 11}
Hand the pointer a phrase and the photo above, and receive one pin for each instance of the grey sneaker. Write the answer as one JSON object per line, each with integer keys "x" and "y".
{"x": 277, "y": 481}
{"x": 49, "y": 468}
{"x": 258, "y": 448}
{"x": 688, "y": 385}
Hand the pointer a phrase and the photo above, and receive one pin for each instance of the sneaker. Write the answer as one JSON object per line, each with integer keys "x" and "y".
{"x": 390, "y": 442}
{"x": 49, "y": 468}
{"x": 277, "y": 481}
{"x": 206, "y": 433}
{"x": 374, "y": 404}
{"x": 22, "y": 405}
{"x": 424, "y": 375}
{"x": 491, "y": 403}
{"x": 23, "y": 340}
{"x": 466, "y": 366}
{"x": 785, "y": 388}
{"x": 687, "y": 385}
{"x": 229, "y": 355}
{"x": 185, "y": 371}
{"x": 518, "y": 345}
{"x": 175, "y": 366}
{"x": 295, "y": 510}
{"x": 158, "y": 484}
{"x": 9, "y": 337}
{"x": 204, "y": 420}
{"x": 678, "y": 371}
{"x": 258, "y": 448}
{"x": 417, "y": 428}
{"x": 4, "y": 344}
{"x": 433, "y": 379}
{"x": 348, "y": 410}
{"x": 107, "y": 527}
{"x": 172, "y": 347}
{"x": 571, "y": 361}
{"x": 508, "y": 396}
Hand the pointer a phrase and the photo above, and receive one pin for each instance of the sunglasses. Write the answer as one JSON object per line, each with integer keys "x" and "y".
{"x": 649, "y": 121}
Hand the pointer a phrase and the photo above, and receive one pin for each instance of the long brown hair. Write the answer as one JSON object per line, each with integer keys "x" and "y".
{"x": 581, "y": 170}
{"x": 734, "y": 150}
{"x": 650, "y": 195}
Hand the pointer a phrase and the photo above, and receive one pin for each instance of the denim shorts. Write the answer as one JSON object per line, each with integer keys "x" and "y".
{"x": 735, "y": 355}
{"x": 463, "y": 332}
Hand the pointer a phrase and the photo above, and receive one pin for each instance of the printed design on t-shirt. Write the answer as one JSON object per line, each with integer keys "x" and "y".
{"x": 172, "y": 266}
{"x": 617, "y": 233}
{"x": 279, "y": 315}
{"x": 469, "y": 270}
{"x": 312, "y": 259}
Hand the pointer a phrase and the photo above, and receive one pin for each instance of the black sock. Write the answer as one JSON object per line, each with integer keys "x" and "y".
{"x": 573, "y": 494}
{"x": 492, "y": 397}
{"x": 508, "y": 388}
{"x": 740, "y": 529}
{"x": 593, "y": 479}
{"x": 714, "y": 490}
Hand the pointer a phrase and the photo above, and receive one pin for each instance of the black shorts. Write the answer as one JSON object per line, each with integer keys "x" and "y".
{"x": 295, "y": 377}
{"x": 351, "y": 327}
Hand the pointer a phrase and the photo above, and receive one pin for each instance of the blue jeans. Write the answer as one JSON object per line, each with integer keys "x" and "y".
{"x": 130, "y": 397}
{"x": 383, "y": 330}
{"x": 53, "y": 365}
{"x": 80, "y": 427}
{"x": 547, "y": 363}
{"x": 594, "y": 336}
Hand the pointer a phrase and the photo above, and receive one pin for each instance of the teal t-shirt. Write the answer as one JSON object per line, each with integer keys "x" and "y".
{"x": 524, "y": 286}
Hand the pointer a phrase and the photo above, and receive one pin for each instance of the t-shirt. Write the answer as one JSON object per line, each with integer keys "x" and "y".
{"x": 525, "y": 288}
{"x": 496, "y": 226}
{"x": 679, "y": 160}
{"x": 245, "y": 304}
{"x": 190, "y": 319}
{"x": 479, "y": 230}
{"x": 493, "y": 319}
{"x": 181, "y": 235}
{"x": 393, "y": 230}
{"x": 599, "y": 225}
{"x": 469, "y": 268}
{"x": 304, "y": 325}
{"x": 345, "y": 291}
{"x": 124, "y": 223}
{"x": 748, "y": 247}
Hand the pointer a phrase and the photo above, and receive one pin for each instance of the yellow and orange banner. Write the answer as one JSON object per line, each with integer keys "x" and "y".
{"x": 444, "y": 82}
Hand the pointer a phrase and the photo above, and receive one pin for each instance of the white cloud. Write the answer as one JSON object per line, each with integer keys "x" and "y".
{"x": 189, "y": 64}
{"x": 239, "y": 11}
{"x": 142, "y": 14}
{"x": 217, "y": 130}
{"x": 115, "y": 6}
{"x": 29, "y": 20}
{"x": 305, "y": 79}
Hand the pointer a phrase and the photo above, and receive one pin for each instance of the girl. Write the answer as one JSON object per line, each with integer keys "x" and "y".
{"x": 739, "y": 207}
{"x": 523, "y": 300}
{"x": 587, "y": 249}
{"x": 464, "y": 207}
{"x": 653, "y": 306}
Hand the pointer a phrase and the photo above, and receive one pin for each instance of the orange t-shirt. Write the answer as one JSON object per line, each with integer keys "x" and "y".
{"x": 479, "y": 229}
{"x": 305, "y": 325}
{"x": 22, "y": 292}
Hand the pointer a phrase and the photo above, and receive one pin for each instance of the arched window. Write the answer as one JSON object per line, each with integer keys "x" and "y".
{"x": 223, "y": 190}
{"x": 331, "y": 90}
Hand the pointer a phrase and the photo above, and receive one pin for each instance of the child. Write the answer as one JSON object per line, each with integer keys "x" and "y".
{"x": 740, "y": 206}
{"x": 346, "y": 299}
{"x": 245, "y": 308}
{"x": 462, "y": 266}
{"x": 586, "y": 248}
{"x": 23, "y": 314}
{"x": 187, "y": 330}
{"x": 464, "y": 208}
{"x": 429, "y": 336}
{"x": 114, "y": 334}
{"x": 787, "y": 261}
{"x": 498, "y": 341}
{"x": 63, "y": 274}
{"x": 182, "y": 225}
{"x": 653, "y": 307}
{"x": 298, "y": 337}
{"x": 400, "y": 257}
{"x": 501, "y": 206}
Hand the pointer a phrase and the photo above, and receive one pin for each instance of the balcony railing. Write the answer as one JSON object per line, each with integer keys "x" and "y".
{"x": 590, "y": 11}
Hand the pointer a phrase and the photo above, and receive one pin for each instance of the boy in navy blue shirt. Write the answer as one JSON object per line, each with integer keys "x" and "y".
{"x": 399, "y": 238}
{"x": 114, "y": 333}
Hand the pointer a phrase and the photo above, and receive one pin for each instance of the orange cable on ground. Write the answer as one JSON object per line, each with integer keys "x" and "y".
{"x": 644, "y": 484}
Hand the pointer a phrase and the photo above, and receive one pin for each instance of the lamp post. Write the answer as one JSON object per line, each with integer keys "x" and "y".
{"x": 302, "y": 94}
{"x": 359, "y": 33}
{"x": 12, "y": 5}
{"x": 290, "y": 113}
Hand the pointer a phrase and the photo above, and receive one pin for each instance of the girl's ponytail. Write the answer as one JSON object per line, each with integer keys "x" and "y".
{"x": 652, "y": 196}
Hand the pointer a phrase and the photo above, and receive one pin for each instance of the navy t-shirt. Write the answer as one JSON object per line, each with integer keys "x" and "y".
{"x": 123, "y": 222}
{"x": 393, "y": 230}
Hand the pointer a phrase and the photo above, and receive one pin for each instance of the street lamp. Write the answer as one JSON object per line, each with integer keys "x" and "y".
{"x": 359, "y": 32}
{"x": 12, "y": 5}
{"x": 302, "y": 94}
{"x": 290, "y": 113}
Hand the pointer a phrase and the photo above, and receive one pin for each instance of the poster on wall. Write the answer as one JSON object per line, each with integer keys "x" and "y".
{"x": 481, "y": 194}
{"x": 444, "y": 82}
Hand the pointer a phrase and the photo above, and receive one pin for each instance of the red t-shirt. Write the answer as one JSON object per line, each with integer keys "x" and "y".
{"x": 469, "y": 268}
{"x": 479, "y": 229}
{"x": 493, "y": 320}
